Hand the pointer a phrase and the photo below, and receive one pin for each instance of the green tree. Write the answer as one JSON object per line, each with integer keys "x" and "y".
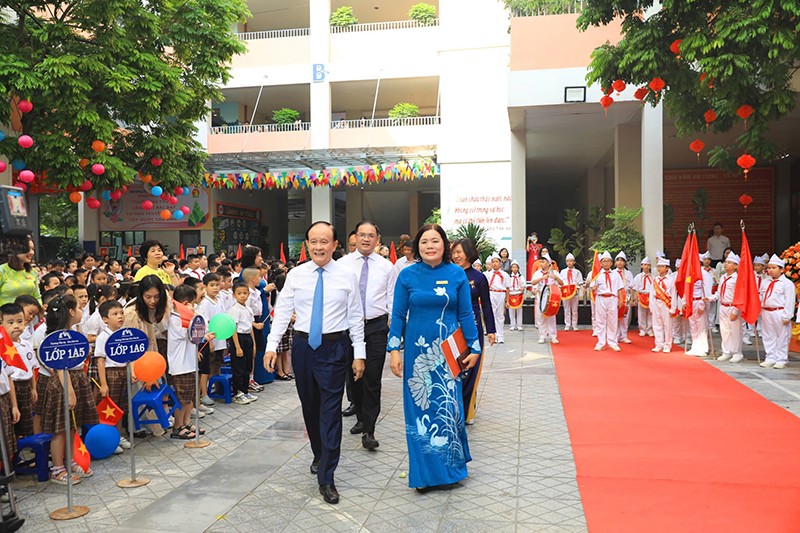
{"x": 285, "y": 116}
{"x": 58, "y": 217}
{"x": 479, "y": 237}
{"x": 343, "y": 17}
{"x": 424, "y": 14}
{"x": 571, "y": 241}
{"x": 435, "y": 217}
{"x": 134, "y": 75}
{"x": 730, "y": 53}
{"x": 620, "y": 235}
{"x": 404, "y": 110}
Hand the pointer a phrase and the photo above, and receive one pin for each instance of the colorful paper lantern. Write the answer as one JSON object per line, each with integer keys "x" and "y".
{"x": 25, "y": 141}
{"x": 166, "y": 215}
{"x": 746, "y": 162}
{"x": 697, "y": 146}
{"x": 619, "y": 86}
{"x": 92, "y": 203}
{"x": 657, "y": 84}
{"x": 147, "y": 205}
{"x": 98, "y": 146}
{"x": 640, "y": 93}
{"x": 156, "y": 161}
{"x": 98, "y": 169}
{"x": 25, "y": 106}
{"x": 745, "y": 111}
{"x": 75, "y": 197}
{"x": 86, "y": 185}
{"x": 606, "y": 101}
{"x": 156, "y": 191}
{"x": 26, "y": 176}
{"x": 745, "y": 200}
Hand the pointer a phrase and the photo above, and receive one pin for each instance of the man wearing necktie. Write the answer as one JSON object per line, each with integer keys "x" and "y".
{"x": 326, "y": 299}
{"x": 376, "y": 279}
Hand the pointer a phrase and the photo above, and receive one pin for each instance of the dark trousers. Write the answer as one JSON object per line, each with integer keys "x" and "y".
{"x": 319, "y": 377}
{"x": 367, "y": 390}
{"x": 241, "y": 366}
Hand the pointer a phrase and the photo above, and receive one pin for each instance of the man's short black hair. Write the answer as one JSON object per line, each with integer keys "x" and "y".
{"x": 326, "y": 223}
{"x": 11, "y": 309}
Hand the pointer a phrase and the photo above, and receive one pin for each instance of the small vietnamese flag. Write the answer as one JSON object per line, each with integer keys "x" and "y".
{"x": 596, "y": 268}
{"x": 181, "y": 253}
{"x": 130, "y": 251}
{"x": 392, "y": 254}
{"x": 80, "y": 454}
{"x": 109, "y": 412}
{"x": 303, "y": 252}
{"x": 239, "y": 251}
{"x": 9, "y": 353}
{"x": 283, "y": 256}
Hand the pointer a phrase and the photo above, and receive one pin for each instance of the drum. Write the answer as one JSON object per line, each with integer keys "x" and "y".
{"x": 568, "y": 291}
{"x": 515, "y": 301}
{"x": 550, "y": 300}
{"x": 644, "y": 299}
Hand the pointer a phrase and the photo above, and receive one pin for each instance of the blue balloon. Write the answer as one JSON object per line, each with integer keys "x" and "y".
{"x": 2, "y": 136}
{"x": 106, "y": 195}
{"x": 101, "y": 441}
{"x": 156, "y": 191}
{"x": 18, "y": 164}
{"x": 186, "y": 191}
{"x": 178, "y": 214}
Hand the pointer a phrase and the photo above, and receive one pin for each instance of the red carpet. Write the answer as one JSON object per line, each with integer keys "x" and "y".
{"x": 668, "y": 443}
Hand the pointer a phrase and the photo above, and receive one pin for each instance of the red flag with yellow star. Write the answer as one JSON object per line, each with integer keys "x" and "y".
{"x": 80, "y": 455}
{"x": 109, "y": 412}
{"x": 9, "y": 353}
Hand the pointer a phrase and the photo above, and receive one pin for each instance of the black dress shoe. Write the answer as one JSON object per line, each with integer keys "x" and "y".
{"x": 358, "y": 428}
{"x": 329, "y": 493}
{"x": 369, "y": 442}
{"x": 314, "y": 466}
{"x": 349, "y": 411}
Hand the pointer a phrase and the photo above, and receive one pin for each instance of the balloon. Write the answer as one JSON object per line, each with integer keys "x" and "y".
{"x": 165, "y": 195}
{"x": 147, "y": 205}
{"x": 222, "y": 325}
{"x": 83, "y": 162}
{"x": 26, "y": 176}
{"x": 25, "y": 141}
{"x": 75, "y": 197}
{"x": 186, "y": 191}
{"x": 178, "y": 214}
{"x": 156, "y": 161}
{"x": 18, "y": 164}
{"x": 178, "y": 191}
{"x": 166, "y": 215}
{"x": 147, "y": 178}
{"x": 116, "y": 194}
{"x": 3, "y": 166}
{"x": 92, "y": 203}
{"x": 21, "y": 185}
{"x": 101, "y": 441}
{"x": 25, "y": 106}
{"x": 156, "y": 191}
{"x": 185, "y": 209}
{"x": 149, "y": 367}
{"x": 2, "y": 136}
{"x": 98, "y": 146}
{"x": 98, "y": 169}
{"x": 106, "y": 195}
{"x": 86, "y": 185}
{"x": 172, "y": 200}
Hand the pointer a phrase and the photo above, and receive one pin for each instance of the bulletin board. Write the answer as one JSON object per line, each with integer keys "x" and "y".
{"x": 236, "y": 224}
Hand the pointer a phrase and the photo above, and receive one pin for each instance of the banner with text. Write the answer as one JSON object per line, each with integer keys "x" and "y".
{"x": 478, "y": 199}
{"x": 127, "y": 213}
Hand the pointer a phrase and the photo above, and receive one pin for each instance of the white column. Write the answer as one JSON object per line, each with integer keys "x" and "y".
{"x": 321, "y": 204}
{"x": 518, "y": 213}
{"x": 653, "y": 178}
{"x": 88, "y": 223}
{"x": 319, "y": 40}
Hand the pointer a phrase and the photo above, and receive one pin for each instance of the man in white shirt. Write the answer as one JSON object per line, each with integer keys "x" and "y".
{"x": 326, "y": 299}
{"x": 407, "y": 251}
{"x": 376, "y": 280}
{"x": 717, "y": 244}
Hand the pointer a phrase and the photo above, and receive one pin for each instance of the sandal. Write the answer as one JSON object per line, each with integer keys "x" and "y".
{"x": 284, "y": 377}
{"x": 58, "y": 475}
{"x": 192, "y": 429}
{"x": 184, "y": 433}
{"x": 78, "y": 470}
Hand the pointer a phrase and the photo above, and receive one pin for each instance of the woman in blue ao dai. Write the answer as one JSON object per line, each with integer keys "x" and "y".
{"x": 431, "y": 300}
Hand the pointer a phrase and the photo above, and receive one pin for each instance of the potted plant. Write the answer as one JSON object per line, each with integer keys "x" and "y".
{"x": 343, "y": 17}
{"x": 285, "y": 116}
{"x": 423, "y": 14}
{"x": 621, "y": 235}
{"x": 403, "y": 110}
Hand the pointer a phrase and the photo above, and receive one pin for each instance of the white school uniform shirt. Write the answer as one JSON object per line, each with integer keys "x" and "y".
{"x": 100, "y": 348}
{"x": 197, "y": 273}
{"x": 541, "y": 279}
{"x": 576, "y": 277}
{"x": 243, "y": 316}
{"x": 25, "y": 350}
{"x": 208, "y": 309}
{"x": 380, "y": 282}
{"x": 225, "y": 298}
{"x": 5, "y": 374}
{"x": 342, "y": 309}
{"x": 601, "y": 283}
{"x": 181, "y": 353}
{"x": 668, "y": 284}
{"x": 516, "y": 283}
{"x": 703, "y": 289}
{"x": 727, "y": 285}
{"x": 254, "y": 302}
{"x": 94, "y": 324}
{"x": 776, "y": 294}
{"x": 624, "y": 274}
{"x": 498, "y": 280}
{"x": 38, "y": 336}
{"x": 642, "y": 282}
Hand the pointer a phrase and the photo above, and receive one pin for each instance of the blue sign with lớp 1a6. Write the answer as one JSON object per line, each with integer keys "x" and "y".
{"x": 126, "y": 345}
{"x": 64, "y": 349}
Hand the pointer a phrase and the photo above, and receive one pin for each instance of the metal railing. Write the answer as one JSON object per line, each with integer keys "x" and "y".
{"x": 272, "y": 34}
{"x": 376, "y": 26}
{"x": 385, "y": 122}
{"x": 538, "y": 8}
{"x": 260, "y": 128}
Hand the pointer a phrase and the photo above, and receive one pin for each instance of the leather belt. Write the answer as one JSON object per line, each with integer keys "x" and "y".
{"x": 336, "y": 336}
{"x": 605, "y": 295}
{"x": 772, "y": 308}
{"x": 497, "y": 290}
{"x": 371, "y": 320}
{"x": 725, "y": 305}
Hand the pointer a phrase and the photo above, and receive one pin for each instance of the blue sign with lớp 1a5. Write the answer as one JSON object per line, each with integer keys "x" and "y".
{"x": 126, "y": 345}
{"x": 64, "y": 349}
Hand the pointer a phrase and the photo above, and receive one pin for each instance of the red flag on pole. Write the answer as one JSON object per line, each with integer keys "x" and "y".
{"x": 9, "y": 353}
{"x": 688, "y": 273}
{"x": 745, "y": 295}
{"x": 130, "y": 251}
{"x": 303, "y": 252}
{"x": 181, "y": 254}
{"x": 392, "y": 253}
{"x": 109, "y": 412}
{"x": 596, "y": 268}
{"x": 80, "y": 454}
{"x": 239, "y": 251}
{"x": 283, "y": 256}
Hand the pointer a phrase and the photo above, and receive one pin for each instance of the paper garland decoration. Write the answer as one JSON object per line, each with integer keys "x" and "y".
{"x": 333, "y": 177}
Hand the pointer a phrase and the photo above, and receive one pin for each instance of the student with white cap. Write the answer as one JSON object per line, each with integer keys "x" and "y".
{"x": 730, "y": 320}
{"x": 777, "y": 310}
{"x": 498, "y": 294}
{"x": 609, "y": 291}
{"x": 760, "y": 270}
{"x": 478, "y": 265}
{"x": 713, "y": 308}
{"x": 642, "y": 285}
{"x": 516, "y": 296}
{"x": 698, "y": 323}
{"x": 663, "y": 304}
{"x": 571, "y": 276}
{"x": 546, "y": 275}
{"x": 627, "y": 279}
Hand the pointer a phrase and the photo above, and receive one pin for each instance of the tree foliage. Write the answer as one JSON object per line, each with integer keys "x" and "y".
{"x": 57, "y": 216}
{"x": 479, "y": 237}
{"x": 620, "y": 235}
{"x": 424, "y": 14}
{"x": 135, "y": 75}
{"x": 730, "y": 53}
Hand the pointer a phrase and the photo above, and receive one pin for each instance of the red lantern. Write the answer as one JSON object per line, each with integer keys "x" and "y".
{"x": 675, "y": 47}
{"x": 147, "y": 205}
{"x": 24, "y": 106}
{"x": 92, "y": 203}
{"x": 745, "y": 200}
{"x": 657, "y": 84}
{"x": 640, "y": 93}
{"x": 745, "y": 111}
{"x": 710, "y": 116}
{"x": 75, "y": 197}
{"x": 606, "y": 101}
{"x": 746, "y": 161}
{"x": 697, "y": 146}
{"x": 618, "y": 86}
{"x": 156, "y": 161}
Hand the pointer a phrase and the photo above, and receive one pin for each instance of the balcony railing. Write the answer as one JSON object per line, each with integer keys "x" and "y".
{"x": 538, "y": 8}
{"x": 272, "y": 34}
{"x": 376, "y": 26}
{"x": 384, "y": 122}
{"x": 260, "y": 128}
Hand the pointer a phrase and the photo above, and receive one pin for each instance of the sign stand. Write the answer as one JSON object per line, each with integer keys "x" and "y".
{"x": 62, "y": 350}
{"x": 126, "y": 345}
{"x": 197, "y": 333}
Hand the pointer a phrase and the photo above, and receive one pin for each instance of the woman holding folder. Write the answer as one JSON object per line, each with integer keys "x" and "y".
{"x": 432, "y": 302}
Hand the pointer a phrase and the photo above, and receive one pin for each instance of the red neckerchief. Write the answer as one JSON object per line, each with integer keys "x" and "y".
{"x": 768, "y": 292}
